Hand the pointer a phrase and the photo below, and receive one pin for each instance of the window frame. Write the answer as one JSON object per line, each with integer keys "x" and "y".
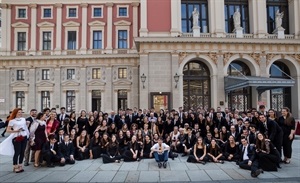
{"x": 245, "y": 21}
{"x": 43, "y": 12}
{"x": 45, "y": 74}
{"x": 49, "y": 42}
{"x": 20, "y": 75}
{"x": 45, "y": 95}
{"x": 101, "y": 40}
{"x": 68, "y": 12}
{"x": 285, "y": 20}
{"x": 96, "y": 73}
{"x": 126, "y": 40}
{"x": 17, "y": 12}
{"x": 118, "y": 11}
{"x": 122, "y": 73}
{"x": 22, "y": 99}
{"x": 73, "y": 74}
{"x": 70, "y": 95}
{"x": 93, "y": 11}
{"x": 23, "y": 42}
{"x": 68, "y": 48}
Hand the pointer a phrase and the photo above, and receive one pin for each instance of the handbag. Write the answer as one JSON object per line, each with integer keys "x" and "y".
{"x": 298, "y": 128}
{"x": 19, "y": 138}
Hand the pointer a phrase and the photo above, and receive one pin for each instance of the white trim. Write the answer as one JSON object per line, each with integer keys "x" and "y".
{"x": 66, "y": 36}
{"x": 67, "y": 13}
{"x": 122, "y": 27}
{"x": 92, "y": 29}
{"x": 17, "y": 12}
{"x": 97, "y": 6}
{"x": 43, "y": 9}
{"x": 16, "y": 38}
{"x": 42, "y": 29}
{"x": 122, "y": 6}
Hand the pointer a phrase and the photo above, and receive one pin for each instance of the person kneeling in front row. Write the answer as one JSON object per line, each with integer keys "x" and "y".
{"x": 66, "y": 151}
{"x": 161, "y": 153}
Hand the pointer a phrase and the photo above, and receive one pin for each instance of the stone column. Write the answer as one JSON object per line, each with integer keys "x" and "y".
{"x": 108, "y": 96}
{"x": 33, "y": 33}
{"x": 261, "y": 20}
{"x": 294, "y": 22}
{"x": 32, "y": 99}
{"x": 175, "y": 17}
{"x": 296, "y": 97}
{"x": 144, "y": 25}
{"x": 109, "y": 28}
{"x": 82, "y": 89}
{"x": 5, "y": 92}
{"x": 6, "y": 29}
{"x": 135, "y": 22}
{"x": 58, "y": 29}
{"x": 177, "y": 92}
{"x": 83, "y": 48}
{"x": 216, "y": 14}
{"x": 144, "y": 92}
{"x": 57, "y": 87}
{"x": 115, "y": 97}
{"x": 221, "y": 85}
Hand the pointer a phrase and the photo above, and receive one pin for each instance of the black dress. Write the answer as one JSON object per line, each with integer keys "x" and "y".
{"x": 122, "y": 146}
{"x": 90, "y": 128}
{"x": 82, "y": 155}
{"x": 286, "y": 141}
{"x": 147, "y": 149}
{"x": 95, "y": 147}
{"x": 269, "y": 161}
{"x": 112, "y": 153}
{"x": 231, "y": 150}
{"x": 128, "y": 156}
{"x": 199, "y": 153}
{"x": 81, "y": 122}
{"x": 40, "y": 137}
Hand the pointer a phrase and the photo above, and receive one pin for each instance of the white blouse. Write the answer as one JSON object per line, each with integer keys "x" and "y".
{"x": 17, "y": 124}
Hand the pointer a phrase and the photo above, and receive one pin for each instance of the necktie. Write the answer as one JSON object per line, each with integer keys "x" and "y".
{"x": 51, "y": 146}
{"x": 243, "y": 150}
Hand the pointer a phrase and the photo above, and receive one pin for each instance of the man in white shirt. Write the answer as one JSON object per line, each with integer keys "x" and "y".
{"x": 161, "y": 152}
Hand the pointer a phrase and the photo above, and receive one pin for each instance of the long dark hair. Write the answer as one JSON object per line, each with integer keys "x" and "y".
{"x": 289, "y": 119}
{"x": 261, "y": 144}
{"x": 40, "y": 115}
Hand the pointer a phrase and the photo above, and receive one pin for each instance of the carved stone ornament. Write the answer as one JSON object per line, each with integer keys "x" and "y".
{"x": 296, "y": 57}
{"x": 213, "y": 56}
{"x": 256, "y": 57}
{"x": 182, "y": 55}
{"x": 269, "y": 57}
{"x": 227, "y": 56}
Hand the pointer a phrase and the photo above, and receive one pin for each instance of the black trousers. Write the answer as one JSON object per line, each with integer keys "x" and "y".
{"x": 82, "y": 155}
{"x": 235, "y": 157}
{"x": 50, "y": 158}
{"x": 96, "y": 152}
{"x": 192, "y": 159}
{"x": 268, "y": 162}
{"x": 107, "y": 159}
{"x": 253, "y": 167}
{"x": 128, "y": 156}
{"x": 278, "y": 142}
{"x": 211, "y": 159}
{"x": 287, "y": 146}
{"x": 19, "y": 148}
{"x": 68, "y": 161}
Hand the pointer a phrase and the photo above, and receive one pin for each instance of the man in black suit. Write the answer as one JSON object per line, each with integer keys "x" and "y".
{"x": 247, "y": 158}
{"x": 113, "y": 118}
{"x": 239, "y": 126}
{"x": 66, "y": 151}
{"x": 138, "y": 119}
{"x": 271, "y": 130}
{"x": 62, "y": 116}
{"x": 129, "y": 118}
{"x": 29, "y": 121}
{"x": 189, "y": 142}
{"x": 50, "y": 151}
{"x": 220, "y": 121}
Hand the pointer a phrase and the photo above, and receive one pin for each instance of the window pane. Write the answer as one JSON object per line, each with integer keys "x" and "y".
{"x": 72, "y": 12}
{"x": 20, "y": 99}
{"x": 123, "y": 11}
{"x": 230, "y": 8}
{"x": 22, "y": 13}
{"x": 47, "y": 13}
{"x": 71, "y": 40}
{"x": 70, "y": 103}
{"x": 97, "y": 12}
{"x": 70, "y": 73}
{"x": 97, "y": 39}
{"x": 122, "y": 39}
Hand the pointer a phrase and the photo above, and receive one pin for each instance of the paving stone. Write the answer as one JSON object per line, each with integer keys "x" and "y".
{"x": 59, "y": 176}
{"x": 133, "y": 176}
{"x": 149, "y": 176}
{"x": 34, "y": 176}
{"x": 143, "y": 166}
{"x": 233, "y": 174}
{"x": 110, "y": 166}
{"x": 83, "y": 176}
{"x": 267, "y": 175}
{"x": 81, "y": 166}
{"x": 15, "y": 177}
{"x": 192, "y": 166}
{"x": 154, "y": 166}
{"x": 245, "y": 173}
{"x": 208, "y": 166}
{"x": 103, "y": 176}
{"x": 218, "y": 175}
{"x": 10, "y": 175}
{"x": 178, "y": 166}
{"x": 198, "y": 175}
{"x": 120, "y": 176}
{"x": 129, "y": 166}
{"x": 173, "y": 176}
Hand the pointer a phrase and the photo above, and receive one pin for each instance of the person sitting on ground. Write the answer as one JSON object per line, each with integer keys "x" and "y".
{"x": 66, "y": 151}
{"x": 161, "y": 153}
{"x": 215, "y": 153}
{"x": 231, "y": 151}
{"x": 112, "y": 151}
{"x": 146, "y": 151}
{"x": 199, "y": 152}
{"x": 189, "y": 142}
{"x": 50, "y": 151}
{"x": 133, "y": 152}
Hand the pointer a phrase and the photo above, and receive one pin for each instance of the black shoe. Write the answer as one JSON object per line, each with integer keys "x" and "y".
{"x": 221, "y": 161}
{"x": 165, "y": 164}
{"x": 184, "y": 154}
{"x": 172, "y": 157}
{"x": 26, "y": 164}
{"x": 159, "y": 165}
{"x": 50, "y": 166}
{"x": 139, "y": 159}
{"x": 202, "y": 162}
{"x": 2, "y": 135}
{"x": 278, "y": 166}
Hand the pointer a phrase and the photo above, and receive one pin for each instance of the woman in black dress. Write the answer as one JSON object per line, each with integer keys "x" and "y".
{"x": 231, "y": 151}
{"x": 91, "y": 126}
{"x": 82, "y": 143}
{"x": 268, "y": 156}
{"x": 95, "y": 146}
{"x": 81, "y": 121}
{"x": 199, "y": 152}
{"x": 160, "y": 126}
{"x": 121, "y": 141}
{"x": 215, "y": 153}
{"x": 133, "y": 152}
{"x": 104, "y": 143}
{"x": 40, "y": 136}
{"x": 287, "y": 123}
{"x": 103, "y": 128}
{"x": 112, "y": 152}
{"x": 112, "y": 129}
{"x": 146, "y": 151}
{"x": 72, "y": 120}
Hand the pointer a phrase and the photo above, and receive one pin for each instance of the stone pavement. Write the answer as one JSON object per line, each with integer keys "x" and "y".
{"x": 178, "y": 170}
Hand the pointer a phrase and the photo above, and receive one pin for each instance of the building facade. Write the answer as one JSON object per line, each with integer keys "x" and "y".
{"x": 105, "y": 55}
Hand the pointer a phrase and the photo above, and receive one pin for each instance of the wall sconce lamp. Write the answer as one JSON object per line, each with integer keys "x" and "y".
{"x": 143, "y": 78}
{"x": 176, "y": 78}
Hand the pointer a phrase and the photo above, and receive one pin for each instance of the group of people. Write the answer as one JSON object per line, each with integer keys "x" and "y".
{"x": 254, "y": 139}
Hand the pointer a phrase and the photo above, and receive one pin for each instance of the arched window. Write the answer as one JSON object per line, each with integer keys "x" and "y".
{"x": 280, "y": 97}
{"x": 230, "y": 7}
{"x": 241, "y": 98}
{"x": 196, "y": 85}
{"x": 187, "y": 7}
{"x": 272, "y": 7}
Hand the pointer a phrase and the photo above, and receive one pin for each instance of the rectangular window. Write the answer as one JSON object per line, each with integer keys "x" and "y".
{"x": 45, "y": 99}
{"x": 20, "y": 74}
{"x": 22, "y": 13}
{"x": 231, "y": 6}
{"x": 20, "y": 99}
{"x": 97, "y": 39}
{"x": 97, "y": 12}
{"x": 96, "y": 73}
{"x": 122, "y": 12}
{"x": 47, "y": 13}
{"x": 21, "y": 41}
{"x": 70, "y": 74}
{"x": 71, "y": 40}
{"x": 272, "y": 7}
{"x": 45, "y": 74}
{"x": 46, "y": 40}
{"x": 122, "y": 39}
{"x": 122, "y": 73}
{"x": 70, "y": 104}
{"x": 72, "y": 12}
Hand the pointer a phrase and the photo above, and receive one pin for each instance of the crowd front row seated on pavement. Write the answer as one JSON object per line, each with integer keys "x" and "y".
{"x": 256, "y": 140}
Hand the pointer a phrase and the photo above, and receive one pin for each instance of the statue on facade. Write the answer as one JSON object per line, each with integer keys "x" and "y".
{"x": 237, "y": 19}
{"x": 195, "y": 17}
{"x": 278, "y": 19}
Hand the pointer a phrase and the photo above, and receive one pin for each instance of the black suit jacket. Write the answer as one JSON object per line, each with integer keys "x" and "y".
{"x": 46, "y": 148}
{"x": 274, "y": 131}
{"x": 30, "y": 120}
{"x": 192, "y": 140}
{"x": 60, "y": 121}
{"x": 116, "y": 119}
{"x": 251, "y": 152}
{"x": 128, "y": 121}
{"x": 66, "y": 150}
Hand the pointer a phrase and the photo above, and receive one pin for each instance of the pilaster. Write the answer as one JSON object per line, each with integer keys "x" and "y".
{"x": 144, "y": 92}
{"x": 177, "y": 92}
{"x": 57, "y": 87}
{"x": 6, "y": 29}
{"x": 143, "y": 23}
{"x": 261, "y": 30}
{"x": 135, "y": 22}
{"x": 58, "y": 28}
{"x": 82, "y": 89}
{"x": 33, "y": 33}
{"x": 220, "y": 82}
{"x": 108, "y": 99}
{"x": 32, "y": 98}
{"x": 109, "y": 27}
{"x": 83, "y": 48}
{"x": 175, "y": 16}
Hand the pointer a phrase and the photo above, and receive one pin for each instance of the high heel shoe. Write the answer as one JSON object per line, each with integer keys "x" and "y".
{"x": 16, "y": 169}
{"x": 21, "y": 168}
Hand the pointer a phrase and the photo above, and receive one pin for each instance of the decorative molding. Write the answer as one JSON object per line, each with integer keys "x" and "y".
{"x": 19, "y": 84}
{"x": 122, "y": 23}
{"x": 109, "y": 4}
{"x": 45, "y": 24}
{"x": 96, "y": 82}
{"x": 71, "y": 24}
{"x": 296, "y": 57}
{"x": 135, "y": 4}
{"x": 58, "y": 5}
{"x": 182, "y": 55}
{"x": 70, "y": 83}
{"x": 33, "y": 5}
{"x": 20, "y": 25}
{"x": 44, "y": 84}
{"x": 96, "y": 23}
{"x": 84, "y": 5}
{"x": 226, "y": 57}
{"x": 269, "y": 57}
{"x": 256, "y": 57}
{"x": 213, "y": 56}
